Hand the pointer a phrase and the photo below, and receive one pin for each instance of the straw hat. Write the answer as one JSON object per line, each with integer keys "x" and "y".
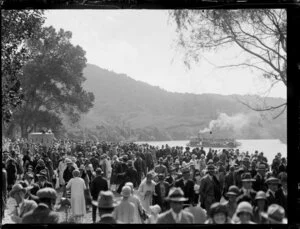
{"x": 275, "y": 214}
{"x": 176, "y": 195}
{"x": 155, "y": 209}
{"x": 272, "y": 180}
{"x": 15, "y": 189}
{"x": 210, "y": 167}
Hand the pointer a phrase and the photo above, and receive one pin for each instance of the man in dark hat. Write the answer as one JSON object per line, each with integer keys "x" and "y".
{"x": 131, "y": 174}
{"x": 43, "y": 213}
{"x": 160, "y": 168}
{"x": 247, "y": 190}
{"x": 172, "y": 177}
{"x": 161, "y": 191}
{"x": 209, "y": 190}
{"x": 42, "y": 183}
{"x": 98, "y": 184}
{"x": 176, "y": 215}
{"x": 272, "y": 183}
{"x": 187, "y": 185}
{"x": 106, "y": 206}
{"x": 230, "y": 179}
{"x": 231, "y": 195}
{"x": 259, "y": 183}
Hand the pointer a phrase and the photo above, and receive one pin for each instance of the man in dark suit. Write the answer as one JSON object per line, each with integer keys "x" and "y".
{"x": 43, "y": 213}
{"x": 259, "y": 183}
{"x": 161, "y": 191}
{"x": 187, "y": 185}
{"x": 246, "y": 191}
{"x": 98, "y": 184}
{"x": 172, "y": 177}
{"x": 230, "y": 179}
{"x": 161, "y": 168}
{"x": 106, "y": 206}
{"x": 209, "y": 188}
{"x": 272, "y": 183}
{"x": 176, "y": 215}
{"x": 42, "y": 183}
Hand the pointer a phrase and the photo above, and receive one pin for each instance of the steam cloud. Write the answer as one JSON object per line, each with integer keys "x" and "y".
{"x": 235, "y": 123}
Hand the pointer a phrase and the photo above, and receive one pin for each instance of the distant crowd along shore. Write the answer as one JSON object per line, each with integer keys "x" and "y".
{"x": 156, "y": 184}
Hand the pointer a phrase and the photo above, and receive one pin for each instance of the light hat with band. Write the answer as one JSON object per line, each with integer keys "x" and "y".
{"x": 176, "y": 195}
{"x": 275, "y": 214}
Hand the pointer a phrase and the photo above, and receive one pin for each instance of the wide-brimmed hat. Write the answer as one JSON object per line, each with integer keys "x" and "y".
{"x": 29, "y": 175}
{"x": 161, "y": 175}
{"x": 105, "y": 200}
{"x": 47, "y": 193}
{"x": 260, "y": 195}
{"x": 160, "y": 159}
{"x": 42, "y": 173}
{"x": 16, "y": 188}
{"x": 246, "y": 177}
{"x": 99, "y": 171}
{"x": 126, "y": 191}
{"x": 272, "y": 180}
{"x": 275, "y": 214}
{"x": 210, "y": 167}
{"x": 233, "y": 191}
{"x": 176, "y": 162}
{"x": 244, "y": 206}
{"x": 261, "y": 166}
{"x": 176, "y": 195}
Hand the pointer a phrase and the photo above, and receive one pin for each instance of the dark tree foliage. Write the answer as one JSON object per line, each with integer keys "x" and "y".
{"x": 259, "y": 33}
{"x": 52, "y": 82}
{"x": 16, "y": 28}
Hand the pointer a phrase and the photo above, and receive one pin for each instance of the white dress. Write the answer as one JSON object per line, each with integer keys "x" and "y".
{"x": 61, "y": 167}
{"x": 77, "y": 186}
{"x": 146, "y": 201}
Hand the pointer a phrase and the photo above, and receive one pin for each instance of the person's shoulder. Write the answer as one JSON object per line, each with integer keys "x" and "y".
{"x": 188, "y": 214}
{"x": 30, "y": 202}
{"x": 164, "y": 214}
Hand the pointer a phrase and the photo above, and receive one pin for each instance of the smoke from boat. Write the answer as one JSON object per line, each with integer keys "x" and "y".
{"x": 234, "y": 124}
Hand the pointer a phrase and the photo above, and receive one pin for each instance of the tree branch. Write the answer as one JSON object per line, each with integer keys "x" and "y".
{"x": 280, "y": 113}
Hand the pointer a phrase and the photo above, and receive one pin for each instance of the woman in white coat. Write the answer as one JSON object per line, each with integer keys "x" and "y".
{"x": 77, "y": 186}
{"x": 146, "y": 191}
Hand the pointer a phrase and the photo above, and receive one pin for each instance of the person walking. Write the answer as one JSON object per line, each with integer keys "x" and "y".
{"x": 244, "y": 212}
{"x": 146, "y": 191}
{"x": 124, "y": 212}
{"x": 260, "y": 206}
{"x": 275, "y": 214}
{"x": 161, "y": 192}
{"x": 98, "y": 184}
{"x": 106, "y": 206}
{"x": 187, "y": 185}
{"x": 231, "y": 204}
{"x": 259, "y": 183}
{"x": 176, "y": 215}
{"x": 43, "y": 213}
{"x": 77, "y": 186}
{"x": 218, "y": 214}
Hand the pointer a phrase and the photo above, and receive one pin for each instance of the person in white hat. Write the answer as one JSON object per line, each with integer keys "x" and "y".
{"x": 146, "y": 191}
{"x": 155, "y": 210}
{"x": 23, "y": 206}
{"x": 244, "y": 212}
{"x": 275, "y": 214}
{"x": 124, "y": 212}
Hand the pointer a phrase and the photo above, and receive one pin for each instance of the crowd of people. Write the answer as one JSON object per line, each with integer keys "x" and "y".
{"x": 139, "y": 183}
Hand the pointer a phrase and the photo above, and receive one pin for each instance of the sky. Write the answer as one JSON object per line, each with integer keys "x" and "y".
{"x": 142, "y": 44}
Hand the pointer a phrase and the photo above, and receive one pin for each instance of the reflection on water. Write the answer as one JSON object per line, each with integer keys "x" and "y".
{"x": 270, "y": 147}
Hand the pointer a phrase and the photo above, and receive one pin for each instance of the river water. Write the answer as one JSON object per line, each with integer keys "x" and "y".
{"x": 270, "y": 147}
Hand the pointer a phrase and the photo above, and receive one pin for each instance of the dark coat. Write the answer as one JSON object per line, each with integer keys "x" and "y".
{"x": 188, "y": 189}
{"x": 68, "y": 174}
{"x": 243, "y": 195}
{"x": 167, "y": 218}
{"x": 98, "y": 184}
{"x": 207, "y": 192}
{"x": 159, "y": 199}
{"x": 259, "y": 183}
{"x": 107, "y": 220}
{"x": 229, "y": 180}
{"x": 281, "y": 200}
{"x": 36, "y": 187}
{"x": 170, "y": 180}
{"x": 271, "y": 199}
{"x": 41, "y": 215}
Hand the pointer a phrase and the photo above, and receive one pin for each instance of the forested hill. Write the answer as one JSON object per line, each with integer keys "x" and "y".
{"x": 126, "y": 109}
